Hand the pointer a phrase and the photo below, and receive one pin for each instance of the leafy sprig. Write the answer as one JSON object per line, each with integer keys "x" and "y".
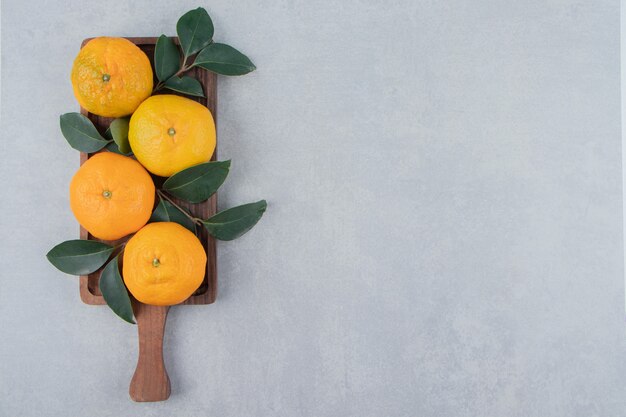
{"x": 195, "y": 35}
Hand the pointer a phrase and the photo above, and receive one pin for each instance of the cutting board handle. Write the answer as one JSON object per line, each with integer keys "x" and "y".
{"x": 150, "y": 381}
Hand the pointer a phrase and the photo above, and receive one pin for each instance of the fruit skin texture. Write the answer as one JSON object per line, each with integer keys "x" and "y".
{"x": 164, "y": 264}
{"x": 129, "y": 77}
{"x": 168, "y": 133}
{"x": 111, "y": 195}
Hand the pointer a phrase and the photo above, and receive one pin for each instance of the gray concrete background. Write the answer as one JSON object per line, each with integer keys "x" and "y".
{"x": 444, "y": 233}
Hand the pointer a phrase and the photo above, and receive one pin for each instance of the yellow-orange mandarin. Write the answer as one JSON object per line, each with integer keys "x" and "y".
{"x": 168, "y": 133}
{"x": 164, "y": 264}
{"x": 111, "y": 195}
{"x": 111, "y": 77}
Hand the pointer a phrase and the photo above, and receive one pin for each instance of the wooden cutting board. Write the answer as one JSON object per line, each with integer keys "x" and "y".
{"x": 150, "y": 381}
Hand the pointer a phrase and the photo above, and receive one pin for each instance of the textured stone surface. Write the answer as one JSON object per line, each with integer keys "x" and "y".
{"x": 444, "y": 233}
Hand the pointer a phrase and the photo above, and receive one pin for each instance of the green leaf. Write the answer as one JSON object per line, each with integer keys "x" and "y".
{"x": 167, "y": 212}
{"x": 80, "y": 133}
{"x": 166, "y": 58}
{"x": 119, "y": 131}
{"x": 223, "y": 59}
{"x": 195, "y": 31}
{"x": 108, "y": 136}
{"x": 79, "y": 257}
{"x": 185, "y": 85}
{"x": 114, "y": 291}
{"x": 199, "y": 182}
{"x": 232, "y": 223}
{"x": 112, "y": 147}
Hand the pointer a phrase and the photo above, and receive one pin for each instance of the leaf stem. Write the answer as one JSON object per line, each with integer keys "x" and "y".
{"x": 164, "y": 196}
{"x": 121, "y": 245}
{"x": 181, "y": 71}
{"x": 117, "y": 250}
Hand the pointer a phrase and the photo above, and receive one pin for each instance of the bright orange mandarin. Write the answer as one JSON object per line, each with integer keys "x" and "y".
{"x": 164, "y": 264}
{"x": 111, "y": 195}
{"x": 169, "y": 133}
{"x": 111, "y": 77}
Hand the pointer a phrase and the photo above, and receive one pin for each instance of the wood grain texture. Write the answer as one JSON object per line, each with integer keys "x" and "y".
{"x": 150, "y": 381}
{"x": 207, "y": 292}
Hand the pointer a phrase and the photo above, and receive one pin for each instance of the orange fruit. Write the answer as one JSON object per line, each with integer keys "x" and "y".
{"x": 164, "y": 264}
{"x": 111, "y": 77}
{"x": 111, "y": 195}
{"x": 169, "y": 133}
